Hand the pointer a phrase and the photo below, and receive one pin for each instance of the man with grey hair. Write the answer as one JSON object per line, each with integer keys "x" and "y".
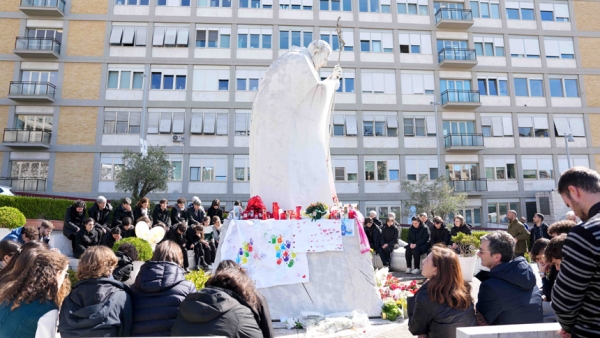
{"x": 508, "y": 293}
{"x": 376, "y": 221}
{"x": 425, "y": 219}
{"x": 519, "y": 233}
{"x": 570, "y": 216}
{"x": 100, "y": 212}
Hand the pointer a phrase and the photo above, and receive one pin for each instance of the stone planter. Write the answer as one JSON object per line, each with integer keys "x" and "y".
{"x": 136, "y": 269}
{"x": 467, "y": 265}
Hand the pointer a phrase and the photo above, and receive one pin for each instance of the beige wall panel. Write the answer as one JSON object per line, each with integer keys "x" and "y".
{"x": 89, "y": 6}
{"x": 597, "y": 162}
{"x": 592, "y": 90}
{"x": 6, "y": 69}
{"x": 73, "y": 172}
{"x": 8, "y": 34}
{"x": 86, "y": 38}
{"x": 595, "y": 128}
{"x": 589, "y": 49}
{"x": 586, "y": 15}
{"x": 82, "y": 81}
{"x": 77, "y": 125}
{"x": 10, "y": 5}
{"x": 3, "y": 118}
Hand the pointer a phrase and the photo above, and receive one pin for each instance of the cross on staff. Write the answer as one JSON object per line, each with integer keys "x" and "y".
{"x": 338, "y": 29}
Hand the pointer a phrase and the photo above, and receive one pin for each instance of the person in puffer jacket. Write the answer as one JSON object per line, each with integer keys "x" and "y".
{"x": 159, "y": 289}
{"x": 86, "y": 237}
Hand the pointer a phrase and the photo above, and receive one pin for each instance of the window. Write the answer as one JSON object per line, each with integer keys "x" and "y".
{"x": 419, "y": 167}
{"x": 128, "y": 35}
{"x": 486, "y": 9}
{"x": 214, "y": 3}
{"x": 419, "y": 126}
{"x": 565, "y": 124}
{"x": 559, "y": 48}
{"x": 255, "y": 38}
{"x": 209, "y": 123}
{"x": 29, "y": 169}
{"x": 110, "y": 166}
{"x": 533, "y": 126}
{"x": 537, "y": 167}
{"x": 374, "y": 6}
{"x": 500, "y": 168}
{"x": 345, "y": 168}
{"x": 554, "y": 12}
{"x": 496, "y": 126}
{"x": 34, "y": 122}
{"x": 213, "y": 37}
{"x": 458, "y": 172}
{"x": 166, "y": 122}
{"x": 208, "y": 169}
{"x": 132, "y": 2}
{"x": 489, "y": 45}
{"x": 417, "y": 83}
{"x": 378, "y": 83}
{"x": 415, "y": 43}
{"x": 492, "y": 86}
{"x": 161, "y": 81}
{"x": 125, "y": 79}
{"x": 346, "y": 82}
{"x": 451, "y": 44}
{"x": 37, "y": 76}
{"x": 173, "y": 3}
{"x": 248, "y": 80}
{"x": 335, "y": 5}
{"x": 241, "y": 168}
{"x": 519, "y": 10}
{"x": 170, "y": 36}
{"x": 521, "y": 47}
{"x": 458, "y": 127}
{"x": 563, "y": 87}
{"x": 207, "y": 78}
{"x": 576, "y": 161}
{"x": 379, "y": 171}
{"x": 472, "y": 216}
{"x": 376, "y": 42}
{"x": 412, "y": 7}
{"x": 344, "y": 125}
{"x": 298, "y": 37}
{"x": 296, "y": 4}
{"x": 242, "y": 124}
{"x": 531, "y": 87}
{"x": 175, "y": 168}
{"x": 330, "y": 36}
{"x": 497, "y": 211}
{"x": 122, "y": 122}
{"x": 380, "y": 125}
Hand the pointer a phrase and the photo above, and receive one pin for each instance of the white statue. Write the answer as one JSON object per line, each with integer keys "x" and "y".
{"x": 289, "y": 133}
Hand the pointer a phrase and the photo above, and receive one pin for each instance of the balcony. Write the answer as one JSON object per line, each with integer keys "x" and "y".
{"x": 453, "y": 98}
{"x": 18, "y": 138}
{"x": 31, "y": 47}
{"x": 24, "y": 91}
{"x": 452, "y": 18}
{"x": 43, "y": 7}
{"x": 469, "y": 185}
{"x": 464, "y": 142}
{"x": 457, "y": 58}
{"x": 24, "y": 184}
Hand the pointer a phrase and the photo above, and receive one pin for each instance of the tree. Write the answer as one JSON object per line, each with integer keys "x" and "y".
{"x": 141, "y": 175}
{"x": 436, "y": 198}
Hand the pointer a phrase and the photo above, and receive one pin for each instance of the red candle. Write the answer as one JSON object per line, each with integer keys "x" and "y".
{"x": 351, "y": 213}
{"x": 298, "y": 211}
{"x": 276, "y": 210}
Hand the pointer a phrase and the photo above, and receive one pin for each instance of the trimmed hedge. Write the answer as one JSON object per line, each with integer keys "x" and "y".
{"x": 143, "y": 247}
{"x": 11, "y": 218}
{"x": 40, "y": 207}
{"x": 199, "y": 278}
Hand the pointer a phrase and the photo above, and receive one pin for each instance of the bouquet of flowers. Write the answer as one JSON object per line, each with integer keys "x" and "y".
{"x": 317, "y": 210}
{"x": 394, "y": 292}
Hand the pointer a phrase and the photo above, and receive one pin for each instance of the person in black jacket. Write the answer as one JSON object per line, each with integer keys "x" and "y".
{"x": 161, "y": 213}
{"x": 142, "y": 208}
{"x": 177, "y": 235}
{"x": 215, "y": 210}
{"x": 126, "y": 255}
{"x": 122, "y": 211}
{"x": 159, "y": 289}
{"x": 538, "y": 230}
{"x": 459, "y": 226}
{"x": 418, "y": 244}
{"x": 110, "y": 238}
{"x": 228, "y": 306}
{"x": 426, "y": 221}
{"x": 179, "y": 212}
{"x": 98, "y": 305}
{"x": 74, "y": 220}
{"x": 100, "y": 212}
{"x": 127, "y": 229}
{"x": 444, "y": 302}
{"x": 373, "y": 217}
{"x": 548, "y": 273}
{"x": 439, "y": 232}
{"x": 388, "y": 242}
{"x": 86, "y": 238}
{"x": 373, "y": 233}
{"x": 195, "y": 213}
{"x": 196, "y": 242}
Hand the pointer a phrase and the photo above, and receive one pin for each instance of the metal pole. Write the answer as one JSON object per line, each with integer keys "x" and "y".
{"x": 437, "y": 140}
{"x": 144, "y": 108}
{"x": 567, "y": 147}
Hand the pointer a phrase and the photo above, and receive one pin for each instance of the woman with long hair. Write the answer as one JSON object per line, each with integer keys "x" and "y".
{"x": 7, "y": 251}
{"x": 141, "y": 209}
{"x": 215, "y": 210}
{"x": 31, "y": 249}
{"x": 228, "y": 306}
{"x": 98, "y": 305}
{"x": 29, "y": 300}
{"x": 459, "y": 226}
{"x": 444, "y": 302}
{"x": 159, "y": 289}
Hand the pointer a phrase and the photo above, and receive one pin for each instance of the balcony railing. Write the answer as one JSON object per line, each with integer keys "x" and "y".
{"x": 469, "y": 185}
{"x": 37, "y": 44}
{"x": 455, "y": 95}
{"x": 453, "y": 14}
{"x": 463, "y": 140}
{"x": 26, "y": 136}
{"x": 22, "y": 89}
{"x": 60, "y": 4}
{"x": 456, "y": 54}
{"x": 24, "y": 184}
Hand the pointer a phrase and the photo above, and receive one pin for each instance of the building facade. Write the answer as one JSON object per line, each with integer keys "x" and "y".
{"x": 495, "y": 86}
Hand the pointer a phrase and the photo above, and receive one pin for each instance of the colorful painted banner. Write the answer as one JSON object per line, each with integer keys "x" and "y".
{"x": 319, "y": 236}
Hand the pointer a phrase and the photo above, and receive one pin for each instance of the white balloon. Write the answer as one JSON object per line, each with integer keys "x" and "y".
{"x": 156, "y": 235}
{"x": 141, "y": 230}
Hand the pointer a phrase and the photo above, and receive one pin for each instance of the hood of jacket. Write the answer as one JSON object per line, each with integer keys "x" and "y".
{"x": 157, "y": 277}
{"x": 88, "y": 300}
{"x": 208, "y": 304}
{"x": 76, "y": 215}
{"x": 516, "y": 272}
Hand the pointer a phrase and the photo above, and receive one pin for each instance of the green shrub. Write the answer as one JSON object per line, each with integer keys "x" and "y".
{"x": 404, "y": 234}
{"x": 479, "y": 233}
{"x": 468, "y": 244}
{"x": 73, "y": 277}
{"x": 198, "y": 277}
{"x": 144, "y": 249}
{"x": 11, "y": 218}
{"x": 40, "y": 207}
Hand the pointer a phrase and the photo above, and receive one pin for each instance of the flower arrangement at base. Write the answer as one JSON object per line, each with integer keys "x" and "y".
{"x": 393, "y": 290}
{"x": 317, "y": 210}
{"x": 390, "y": 310}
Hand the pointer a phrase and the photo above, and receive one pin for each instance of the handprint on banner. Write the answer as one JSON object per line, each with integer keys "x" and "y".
{"x": 283, "y": 251}
{"x": 244, "y": 252}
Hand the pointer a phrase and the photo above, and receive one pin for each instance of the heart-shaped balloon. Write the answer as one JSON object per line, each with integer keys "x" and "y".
{"x": 141, "y": 230}
{"x": 156, "y": 235}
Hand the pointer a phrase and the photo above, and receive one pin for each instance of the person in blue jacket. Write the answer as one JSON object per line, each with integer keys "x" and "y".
{"x": 22, "y": 235}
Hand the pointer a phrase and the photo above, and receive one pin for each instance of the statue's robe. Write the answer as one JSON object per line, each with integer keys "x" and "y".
{"x": 289, "y": 134}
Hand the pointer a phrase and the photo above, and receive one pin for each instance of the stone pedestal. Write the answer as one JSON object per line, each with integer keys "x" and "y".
{"x": 339, "y": 282}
